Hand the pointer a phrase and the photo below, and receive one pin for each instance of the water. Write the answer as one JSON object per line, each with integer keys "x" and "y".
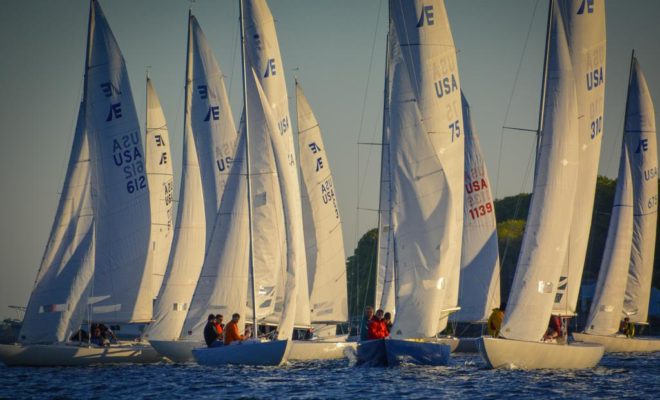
{"x": 617, "y": 376}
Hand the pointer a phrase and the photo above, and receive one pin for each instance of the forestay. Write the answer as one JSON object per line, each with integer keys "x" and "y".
{"x": 326, "y": 260}
{"x": 263, "y": 57}
{"x": 59, "y": 297}
{"x": 122, "y": 287}
{"x": 188, "y": 247}
{"x": 640, "y": 137}
{"x": 545, "y": 241}
{"x": 426, "y": 155}
{"x": 480, "y": 260}
{"x": 585, "y": 34}
{"x": 607, "y": 304}
{"x": 158, "y": 159}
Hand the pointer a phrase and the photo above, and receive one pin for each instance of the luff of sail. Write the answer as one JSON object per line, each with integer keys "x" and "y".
{"x": 326, "y": 268}
{"x": 59, "y": 298}
{"x": 585, "y": 34}
{"x": 122, "y": 277}
{"x": 263, "y": 55}
{"x": 640, "y": 137}
{"x": 426, "y": 155}
{"x": 158, "y": 162}
{"x": 188, "y": 247}
{"x": 605, "y": 313}
{"x": 480, "y": 261}
{"x": 545, "y": 241}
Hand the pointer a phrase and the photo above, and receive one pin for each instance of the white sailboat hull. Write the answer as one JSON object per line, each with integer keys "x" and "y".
{"x": 327, "y": 349}
{"x": 249, "y": 352}
{"x": 513, "y": 354}
{"x": 621, "y": 344}
{"x": 63, "y": 354}
{"x": 179, "y": 351}
{"x": 394, "y": 352}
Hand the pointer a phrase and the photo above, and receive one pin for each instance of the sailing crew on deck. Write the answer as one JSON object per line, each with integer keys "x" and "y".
{"x": 627, "y": 328}
{"x": 388, "y": 322}
{"x": 495, "y": 321}
{"x": 231, "y": 330}
{"x": 211, "y": 336}
{"x": 377, "y": 327}
{"x": 364, "y": 326}
{"x": 555, "y": 330}
{"x": 219, "y": 326}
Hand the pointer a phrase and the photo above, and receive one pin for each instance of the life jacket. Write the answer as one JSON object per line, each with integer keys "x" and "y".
{"x": 377, "y": 329}
{"x": 231, "y": 333}
{"x": 218, "y": 328}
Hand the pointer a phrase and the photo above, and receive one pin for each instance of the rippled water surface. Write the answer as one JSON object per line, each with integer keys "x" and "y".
{"x": 617, "y": 376}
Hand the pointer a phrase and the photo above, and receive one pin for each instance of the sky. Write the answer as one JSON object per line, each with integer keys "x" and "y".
{"x": 336, "y": 48}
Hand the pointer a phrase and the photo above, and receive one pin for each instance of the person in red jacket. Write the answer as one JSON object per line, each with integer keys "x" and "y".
{"x": 377, "y": 327}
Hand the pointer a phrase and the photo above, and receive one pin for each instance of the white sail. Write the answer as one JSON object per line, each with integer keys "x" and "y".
{"x": 188, "y": 247}
{"x": 59, "y": 298}
{"x": 221, "y": 287}
{"x": 263, "y": 55}
{"x": 585, "y": 33}
{"x": 158, "y": 160}
{"x": 426, "y": 155}
{"x": 122, "y": 279}
{"x": 545, "y": 241}
{"x": 480, "y": 260}
{"x": 605, "y": 313}
{"x": 212, "y": 124}
{"x": 640, "y": 137}
{"x": 326, "y": 260}
{"x": 384, "y": 295}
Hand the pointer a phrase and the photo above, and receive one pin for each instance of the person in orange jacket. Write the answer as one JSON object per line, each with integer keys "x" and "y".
{"x": 377, "y": 327}
{"x": 231, "y": 330}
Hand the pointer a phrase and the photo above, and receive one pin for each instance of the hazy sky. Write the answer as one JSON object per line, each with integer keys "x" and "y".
{"x": 335, "y": 47}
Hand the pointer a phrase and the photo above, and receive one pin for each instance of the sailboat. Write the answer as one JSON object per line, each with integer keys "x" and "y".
{"x": 480, "y": 262}
{"x": 545, "y": 241}
{"x": 425, "y": 155}
{"x": 158, "y": 165}
{"x": 270, "y": 154}
{"x": 95, "y": 266}
{"x": 624, "y": 281}
{"x": 209, "y": 145}
{"x": 326, "y": 261}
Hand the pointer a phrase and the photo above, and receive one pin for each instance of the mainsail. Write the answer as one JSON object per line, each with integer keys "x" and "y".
{"x": 480, "y": 261}
{"x": 262, "y": 54}
{"x": 122, "y": 287}
{"x": 58, "y": 301}
{"x": 605, "y": 313}
{"x": 158, "y": 162}
{"x": 640, "y": 137}
{"x": 426, "y": 156}
{"x": 209, "y": 140}
{"x": 585, "y": 33}
{"x": 326, "y": 261}
{"x": 545, "y": 242}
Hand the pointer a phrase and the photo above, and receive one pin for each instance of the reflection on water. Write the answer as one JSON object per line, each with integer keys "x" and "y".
{"x": 616, "y": 376}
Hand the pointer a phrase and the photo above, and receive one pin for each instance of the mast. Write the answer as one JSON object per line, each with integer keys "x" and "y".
{"x": 247, "y": 162}
{"x": 544, "y": 84}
